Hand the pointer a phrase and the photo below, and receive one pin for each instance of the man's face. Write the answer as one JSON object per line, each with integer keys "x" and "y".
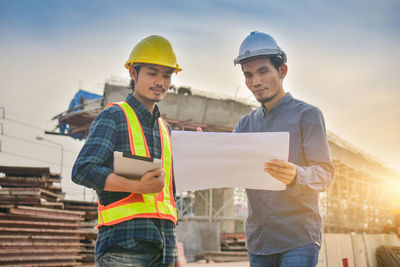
{"x": 151, "y": 83}
{"x": 263, "y": 79}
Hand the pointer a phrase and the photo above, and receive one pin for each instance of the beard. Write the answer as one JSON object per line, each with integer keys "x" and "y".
{"x": 267, "y": 99}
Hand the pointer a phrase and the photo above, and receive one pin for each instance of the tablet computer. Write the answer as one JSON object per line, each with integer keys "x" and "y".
{"x": 133, "y": 166}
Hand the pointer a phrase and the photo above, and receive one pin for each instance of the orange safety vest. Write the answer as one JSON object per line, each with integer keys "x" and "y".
{"x": 158, "y": 205}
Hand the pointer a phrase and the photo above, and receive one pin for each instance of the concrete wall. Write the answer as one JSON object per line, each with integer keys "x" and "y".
{"x": 195, "y": 108}
{"x": 353, "y": 157}
{"x": 114, "y": 93}
{"x": 201, "y": 109}
{"x": 197, "y": 237}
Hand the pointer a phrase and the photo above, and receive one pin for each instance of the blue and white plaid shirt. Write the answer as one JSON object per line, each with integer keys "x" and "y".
{"x": 109, "y": 133}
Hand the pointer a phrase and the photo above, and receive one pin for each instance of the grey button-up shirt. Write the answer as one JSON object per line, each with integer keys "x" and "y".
{"x": 279, "y": 221}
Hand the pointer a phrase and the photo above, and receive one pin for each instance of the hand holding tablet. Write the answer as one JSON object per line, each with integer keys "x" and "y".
{"x": 133, "y": 166}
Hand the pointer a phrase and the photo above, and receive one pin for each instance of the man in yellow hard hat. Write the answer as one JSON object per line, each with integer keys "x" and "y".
{"x": 137, "y": 217}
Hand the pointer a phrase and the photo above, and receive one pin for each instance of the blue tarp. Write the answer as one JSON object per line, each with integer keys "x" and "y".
{"x": 76, "y": 101}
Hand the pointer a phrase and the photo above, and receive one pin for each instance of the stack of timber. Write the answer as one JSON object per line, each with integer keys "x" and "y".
{"x": 223, "y": 256}
{"x": 232, "y": 249}
{"x": 233, "y": 242}
{"x": 88, "y": 225}
{"x": 37, "y": 226}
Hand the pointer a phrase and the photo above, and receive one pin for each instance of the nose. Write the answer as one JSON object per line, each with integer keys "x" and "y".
{"x": 158, "y": 81}
{"x": 256, "y": 81}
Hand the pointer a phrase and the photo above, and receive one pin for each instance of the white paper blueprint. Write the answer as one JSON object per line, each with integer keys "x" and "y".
{"x": 204, "y": 160}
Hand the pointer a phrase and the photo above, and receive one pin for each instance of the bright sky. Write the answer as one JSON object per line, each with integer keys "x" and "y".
{"x": 343, "y": 57}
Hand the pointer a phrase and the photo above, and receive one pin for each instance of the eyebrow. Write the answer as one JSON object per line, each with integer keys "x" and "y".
{"x": 259, "y": 69}
{"x": 170, "y": 71}
{"x": 153, "y": 69}
{"x": 262, "y": 68}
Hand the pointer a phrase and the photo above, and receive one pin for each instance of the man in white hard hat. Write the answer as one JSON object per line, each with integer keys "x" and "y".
{"x": 284, "y": 228}
{"x": 137, "y": 217}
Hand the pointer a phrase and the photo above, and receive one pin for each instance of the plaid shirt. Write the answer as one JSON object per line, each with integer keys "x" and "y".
{"x": 109, "y": 133}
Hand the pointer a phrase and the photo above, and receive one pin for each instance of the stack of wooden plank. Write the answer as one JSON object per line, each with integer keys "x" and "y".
{"x": 31, "y": 177}
{"x": 90, "y": 208}
{"x": 232, "y": 249}
{"x": 89, "y": 225}
{"x": 233, "y": 242}
{"x": 37, "y": 226}
{"x": 39, "y": 236}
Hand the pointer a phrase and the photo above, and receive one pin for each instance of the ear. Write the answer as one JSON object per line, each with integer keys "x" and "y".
{"x": 283, "y": 69}
{"x": 132, "y": 73}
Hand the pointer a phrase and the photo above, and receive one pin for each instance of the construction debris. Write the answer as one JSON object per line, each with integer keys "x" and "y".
{"x": 37, "y": 226}
{"x": 233, "y": 242}
{"x": 388, "y": 256}
{"x": 216, "y": 256}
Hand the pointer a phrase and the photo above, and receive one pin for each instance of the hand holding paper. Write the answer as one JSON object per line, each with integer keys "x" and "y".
{"x": 282, "y": 170}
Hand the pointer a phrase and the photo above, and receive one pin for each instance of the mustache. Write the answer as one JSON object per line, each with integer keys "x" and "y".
{"x": 158, "y": 88}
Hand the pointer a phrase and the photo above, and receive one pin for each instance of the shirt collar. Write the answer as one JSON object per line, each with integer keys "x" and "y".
{"x": 286, "y": 99}
{"x": 138, "y": 107}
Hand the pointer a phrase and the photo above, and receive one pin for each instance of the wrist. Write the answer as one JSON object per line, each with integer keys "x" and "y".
{"x": 293, "y": 182}
{"x": 136, "y": 186}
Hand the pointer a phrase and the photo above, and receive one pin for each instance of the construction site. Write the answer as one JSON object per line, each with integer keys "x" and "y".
{"x": 358, "y": 208}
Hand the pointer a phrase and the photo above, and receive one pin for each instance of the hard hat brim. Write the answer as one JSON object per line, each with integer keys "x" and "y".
{"x": 176, "y": 68}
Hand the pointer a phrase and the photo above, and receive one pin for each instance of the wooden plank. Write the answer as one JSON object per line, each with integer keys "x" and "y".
{"x": 80, "y": 203}
{"x": 224, "y": 256}
{"x": 48, "y": 213}
{"x": 35, "y": 230}
{"x": 9, "y": 216}
{"x": 82, "y": 208}
{"x": 30, "y": 224}
{"x": 55, "y": 205}
{"x": 322, "y": 261}
{"x": 89, "y": 235}
{"x": 91, "y": 215}
{"x": 52, "y": 263}
{"x": 41, "y": 245}
{"x": 338, "y": 247}
{"x": 21, "y": 200}
{"x": 359, "y": 250}
{"x": 49, "y": 216}
{"x": 54, "y": 180}
{"x": 26, "y": 171}
{"x": 6, "y": 206}
{"x": 22, "y": 182}
{"x": 39, "y": 257}
{"x": 30, "y": 191}
{"x": 79, "y": 213}
{"x": 36, "y": 238}
{"x": 54, "y": 188}
{"x": 38, "y": 250}
{"x": 48, "y": 194}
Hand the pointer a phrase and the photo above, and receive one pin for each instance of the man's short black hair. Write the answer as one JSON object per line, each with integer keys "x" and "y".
{"x": 132, "y": 83}
{"x": 277, "y": 61}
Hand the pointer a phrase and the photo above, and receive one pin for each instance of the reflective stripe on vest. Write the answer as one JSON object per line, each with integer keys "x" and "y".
{"x": 159, "y": 205}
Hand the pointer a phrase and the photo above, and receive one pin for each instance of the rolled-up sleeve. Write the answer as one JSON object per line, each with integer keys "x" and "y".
{"x": 318, "y": 172}
{"x": 94, "y": 162}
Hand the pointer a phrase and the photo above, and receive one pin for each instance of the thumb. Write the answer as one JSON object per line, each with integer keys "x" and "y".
{"x": 199, "y": 130}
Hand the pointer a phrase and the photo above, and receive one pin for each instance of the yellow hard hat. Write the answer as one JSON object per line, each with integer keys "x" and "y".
{"x": 153, "y": 50}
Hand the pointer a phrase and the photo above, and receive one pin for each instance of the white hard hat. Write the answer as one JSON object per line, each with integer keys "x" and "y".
{"x": 259, "y": 44}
